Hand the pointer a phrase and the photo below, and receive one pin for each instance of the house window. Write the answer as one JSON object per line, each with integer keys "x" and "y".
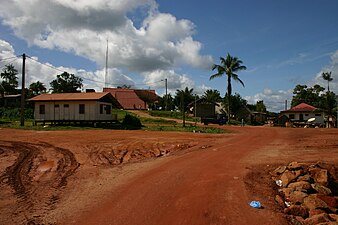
{"x": 56, "y": 106}
{"x": 108, "y": 109}
{"x": 101, "y": 108}
{"x": 42, "y": 109}
{"x": 292, "y": 116}
{"x": 82, "y": 109}
{"x": 66, "y": 105}
{"x": 306, "y": 114}
{"x": 318, "y": 114}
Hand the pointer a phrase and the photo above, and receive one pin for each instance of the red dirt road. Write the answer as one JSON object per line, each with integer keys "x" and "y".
{"x": 204, "y": 179}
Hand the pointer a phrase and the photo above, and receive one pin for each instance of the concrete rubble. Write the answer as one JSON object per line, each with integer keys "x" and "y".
{"x": 308, "y": 193}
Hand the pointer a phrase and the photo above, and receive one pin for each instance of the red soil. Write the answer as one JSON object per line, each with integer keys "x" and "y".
{"x": 142, "y": 177}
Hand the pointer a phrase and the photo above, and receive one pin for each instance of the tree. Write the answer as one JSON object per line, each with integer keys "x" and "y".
{"x": 9, "y": 79}
{"x": 260, "y": 106}
{"x": 309, "y": 95}
{"x": 212, "y": 95}
{"x": 166, "y": 100}
{"x": 229, "y": 66}
{"x": 66, "y": 83}
{"x": 236, "y": 101}
{"x": 184, "y": 95}
{"x": 327, "y": 76}
{"x": 37, "y": 88}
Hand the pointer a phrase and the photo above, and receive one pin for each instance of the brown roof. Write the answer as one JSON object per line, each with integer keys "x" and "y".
{"x": 131, "y": 98}
{"x": 92, "y": 96}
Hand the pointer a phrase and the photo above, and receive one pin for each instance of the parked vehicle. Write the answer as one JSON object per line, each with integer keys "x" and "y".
{"x": 217, "y": 119}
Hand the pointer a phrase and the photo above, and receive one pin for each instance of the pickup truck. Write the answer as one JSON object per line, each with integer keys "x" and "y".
{"x": 217, "y": 119}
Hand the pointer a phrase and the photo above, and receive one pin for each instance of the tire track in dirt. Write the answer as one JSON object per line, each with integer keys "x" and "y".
{"x": 36, "y": 178}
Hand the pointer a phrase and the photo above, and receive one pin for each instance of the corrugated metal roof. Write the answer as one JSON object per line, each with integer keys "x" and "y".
{"x": 69, "y": 96}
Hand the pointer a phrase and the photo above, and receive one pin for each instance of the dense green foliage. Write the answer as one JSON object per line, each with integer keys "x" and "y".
{"x": 9, "y": 81}
{"x": 66, "y": 83}
{"x": 131, "y": 122}
{"x": 14, "y": 113}
{"x": 212, "y": 95}
{"x": 183, "y": 98}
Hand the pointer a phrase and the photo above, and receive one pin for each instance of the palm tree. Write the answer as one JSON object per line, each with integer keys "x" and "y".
{"x": 327, "y": 76}
{"x": 9, "y": 79}
{"x": 229, "y": 66}
{"x": 212, "y": 95}
{"x": 37, "y": 88}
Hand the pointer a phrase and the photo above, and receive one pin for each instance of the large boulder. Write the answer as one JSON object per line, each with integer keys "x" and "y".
{"x": 313, "y": 202}
{"x": 319, "y": 175}
{"x": 289, "y": 176}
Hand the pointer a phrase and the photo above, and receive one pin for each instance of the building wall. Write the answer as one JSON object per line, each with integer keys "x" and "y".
{"x": 205, "y": 109}
{"x": 67, "y": 110}
{"x": 297, "y": 116}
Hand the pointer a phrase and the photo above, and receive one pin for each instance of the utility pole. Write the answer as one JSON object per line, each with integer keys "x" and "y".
{"x": 22, "y": 114}
{"x": 166, "y": 94}
{"x": 183, "y": 109}
{"x": 337, "y": 110}
{"x": 106, "y": 72}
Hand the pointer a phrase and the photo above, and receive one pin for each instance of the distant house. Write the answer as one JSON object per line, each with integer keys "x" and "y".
{"x": 300, "y": 114}
{"x": 250, "y": 116}
{"x": 204, "y": 108}
{"x": 133, "y": 98}
{"x": 74, "y": 107}
{"x": 10, "y": 100}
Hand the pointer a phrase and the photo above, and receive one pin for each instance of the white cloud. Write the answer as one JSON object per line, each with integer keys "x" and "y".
{"x": 333, "y": 68}
{"x": 273, "y": 100}
{"x": 45, "y": 73}
{"x": 82, "y": 27}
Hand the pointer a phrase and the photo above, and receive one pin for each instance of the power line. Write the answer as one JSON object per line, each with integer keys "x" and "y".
{"x": 88, "y": 79}
{"x": 7, "y": 64}
{"x": 5, "y": 59}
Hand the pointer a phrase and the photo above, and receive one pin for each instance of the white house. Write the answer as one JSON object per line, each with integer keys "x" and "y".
{"x": 302, "y": 113}
{"x": 74, "y": 107}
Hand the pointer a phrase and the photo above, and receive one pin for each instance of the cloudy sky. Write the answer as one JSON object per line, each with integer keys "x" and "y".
{"x": 282, "y": 43}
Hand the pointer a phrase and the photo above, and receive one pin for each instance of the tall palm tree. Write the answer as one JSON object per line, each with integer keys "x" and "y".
{"x": 327, "y": 76}
{"x": 229, "y": 66}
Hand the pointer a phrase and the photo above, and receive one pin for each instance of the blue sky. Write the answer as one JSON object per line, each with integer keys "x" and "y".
{"x": 282, "y": 43}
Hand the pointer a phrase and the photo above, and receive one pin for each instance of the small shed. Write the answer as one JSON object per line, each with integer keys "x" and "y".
{"x": 74, "y": 107}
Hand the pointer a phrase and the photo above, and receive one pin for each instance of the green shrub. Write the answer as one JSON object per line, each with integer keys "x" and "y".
{"x": 15, "y": 113}
{"x": 131, "y": 122}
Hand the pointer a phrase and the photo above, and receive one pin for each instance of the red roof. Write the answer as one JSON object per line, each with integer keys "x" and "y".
{"x": 80, "y": 96}
{"x": 69, "y": 96}
{"x": 129, "y": 98}
{"x": 302, "y": 107}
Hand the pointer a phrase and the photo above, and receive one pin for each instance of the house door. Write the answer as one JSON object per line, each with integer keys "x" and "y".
{"x": 66, "y": 112}
{"x": 56, "y": 112}
{"x": 301, "y": 117}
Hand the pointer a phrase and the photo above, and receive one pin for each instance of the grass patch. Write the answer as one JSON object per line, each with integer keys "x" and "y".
{"x": 194, "y": 129}
{"x": 172, "y": 114}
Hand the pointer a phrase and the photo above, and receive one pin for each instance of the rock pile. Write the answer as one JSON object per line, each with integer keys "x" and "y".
{"x": 308, "y": 193}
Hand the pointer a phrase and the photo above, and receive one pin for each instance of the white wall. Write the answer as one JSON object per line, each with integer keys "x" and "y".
{"x": 307, "y": 115}
{"x": 52, "y": 112}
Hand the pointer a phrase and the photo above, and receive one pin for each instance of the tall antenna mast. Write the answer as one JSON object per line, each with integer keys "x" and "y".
{"x": 106, "y": 74}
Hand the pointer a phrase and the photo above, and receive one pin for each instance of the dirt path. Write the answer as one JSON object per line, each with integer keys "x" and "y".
{"x": 112, "y": 177}
{"x": 204, "y": 187}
